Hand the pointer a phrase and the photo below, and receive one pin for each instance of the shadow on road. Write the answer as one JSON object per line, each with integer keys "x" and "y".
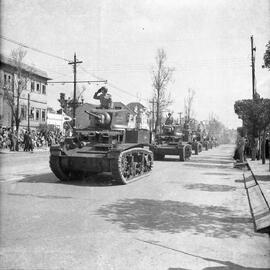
{"x": 206, "y": 166}
{"x": 211, "y": 161}
{"x": 216, "y": 173}
{"x": 211, "y": 188}
{"x": 96, "y": 180}
{"x": 176, "y": 217}
{"x": 40, "y": 196}
{"x": 262, "y": 178}
{"x": 225, "y": 265}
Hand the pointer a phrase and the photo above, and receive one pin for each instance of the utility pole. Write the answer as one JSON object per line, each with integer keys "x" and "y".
{"x": 180, "y": 118}
{"x": 253, "y": 67}
{"x": 74, "y": 63}
{"x": 153, "y": 114}
{"x": 28, "y": 111}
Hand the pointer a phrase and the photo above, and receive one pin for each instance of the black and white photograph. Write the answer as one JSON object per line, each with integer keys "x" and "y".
{"x": 134, "y": 135}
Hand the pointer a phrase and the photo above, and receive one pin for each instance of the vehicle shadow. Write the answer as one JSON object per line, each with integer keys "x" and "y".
{"x": 176, "y": 217}
{"x": 91, "y": 181}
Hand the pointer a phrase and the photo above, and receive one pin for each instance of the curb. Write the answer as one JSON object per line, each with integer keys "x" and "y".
{"x": 19, "y": 152}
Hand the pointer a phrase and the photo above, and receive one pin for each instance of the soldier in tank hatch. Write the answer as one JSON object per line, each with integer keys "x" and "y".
{"x": 104, "y": 98}
{"x": 169, "y": 119}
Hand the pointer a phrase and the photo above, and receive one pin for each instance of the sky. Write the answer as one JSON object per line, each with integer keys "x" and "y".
{"x": 206, "y": 42}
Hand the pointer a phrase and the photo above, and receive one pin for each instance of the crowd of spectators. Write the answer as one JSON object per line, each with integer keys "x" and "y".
{"x": 246, "y": 149}
{"x": 27, "y": 141}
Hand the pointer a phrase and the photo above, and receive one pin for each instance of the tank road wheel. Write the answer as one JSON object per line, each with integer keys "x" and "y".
{"x": 57, "y": 169}
{"x": 196, "y": 146}
{"x": 182, "y": 153}
{"x": 200, "y": 147}
{"x": 131, "y": 165}
{"x": 185, "y": 152}
{"x": 188, "y": 152}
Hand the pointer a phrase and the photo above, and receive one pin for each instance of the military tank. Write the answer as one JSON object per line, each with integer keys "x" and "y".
{"x": 171, "y": 141}
{"x": 105, "y": 145}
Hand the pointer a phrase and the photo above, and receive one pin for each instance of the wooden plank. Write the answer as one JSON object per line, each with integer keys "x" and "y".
{"x": 260, "y": 209}
{"x": 263, "y": 223}
{"x": 249, "y": 180}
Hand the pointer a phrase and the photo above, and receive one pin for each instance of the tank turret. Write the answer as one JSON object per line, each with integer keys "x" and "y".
{"x": 103, "y": 119}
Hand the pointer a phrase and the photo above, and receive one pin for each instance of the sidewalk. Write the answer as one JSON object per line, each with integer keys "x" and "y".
{"x": 39, "y": 149}
{"x": 262, "y": 174}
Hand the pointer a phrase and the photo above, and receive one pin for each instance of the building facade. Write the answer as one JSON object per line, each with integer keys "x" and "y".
{"x": 32, "y": 98}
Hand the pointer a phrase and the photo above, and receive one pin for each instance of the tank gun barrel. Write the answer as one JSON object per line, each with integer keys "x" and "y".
{"x": 93, "y": 114}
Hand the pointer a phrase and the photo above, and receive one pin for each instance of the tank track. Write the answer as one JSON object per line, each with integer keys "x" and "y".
{"x": 132, "y": 165}
{"x": 57, "y": 169}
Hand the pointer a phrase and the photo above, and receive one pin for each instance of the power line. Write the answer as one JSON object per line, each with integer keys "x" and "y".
{"x": 63, "y": 82}
{"x": 33, "y": 49}
{"x": 112, "y": 85}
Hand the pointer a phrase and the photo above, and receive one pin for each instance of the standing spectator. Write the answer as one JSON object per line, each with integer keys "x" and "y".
{"x": 26, "y": 141}
{"x": 30, "y": 143}
{"x": 241, "y": 148}
{"x": 10, "y": 137}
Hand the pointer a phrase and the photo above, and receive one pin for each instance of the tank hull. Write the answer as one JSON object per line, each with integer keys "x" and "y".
{"x": 127, "y": 163}
{"x": 183, "y": 151}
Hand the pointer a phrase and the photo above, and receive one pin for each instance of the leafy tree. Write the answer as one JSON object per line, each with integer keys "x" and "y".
{"x": 14, "y": 88}
{"x": 161, "y": 76}
{"x": 255, "y": 114}
{"x": 266, "y": 57}
{"x": 188, "y": 103}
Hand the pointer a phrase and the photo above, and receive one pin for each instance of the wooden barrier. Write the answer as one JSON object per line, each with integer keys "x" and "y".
{"x": 258, "y": 204}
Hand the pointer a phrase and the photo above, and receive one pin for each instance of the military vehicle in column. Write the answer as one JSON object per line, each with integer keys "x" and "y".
{"x": 171, "y": 141}
{"x": 207, "y": 144}
{"x": 105, "y": 145}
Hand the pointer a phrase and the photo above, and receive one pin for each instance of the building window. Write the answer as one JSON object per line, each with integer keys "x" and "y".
{"x": 32, "y": 113}
{"x": 23, "y": 112}
{"x": 7, "y": 80}
{"x": 37, "y": 114}
{"x": 38, "y": 87}
{"x": 43, "y": 115}
{"x": 44, "y": 89}
{"x": 32, "y": 86}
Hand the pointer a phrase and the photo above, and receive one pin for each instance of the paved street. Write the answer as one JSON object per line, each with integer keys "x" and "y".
{"x": 186, "y": 215}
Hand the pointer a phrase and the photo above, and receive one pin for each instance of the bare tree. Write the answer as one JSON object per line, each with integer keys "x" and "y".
{"x": 189, "y": 112}
{"x": 161, "y": 76}
{"x": 14, "y": 88}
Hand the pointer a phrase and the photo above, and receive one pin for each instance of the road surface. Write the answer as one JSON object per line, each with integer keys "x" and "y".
{"x": 185, "y": 215}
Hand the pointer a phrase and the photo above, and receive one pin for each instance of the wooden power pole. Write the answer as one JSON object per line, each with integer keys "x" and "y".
{"x": 253, "y": 49}
{"x": 74, "y": 63}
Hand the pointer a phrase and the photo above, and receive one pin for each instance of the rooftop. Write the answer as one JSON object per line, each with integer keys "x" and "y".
{"x": 8, "y": 61}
